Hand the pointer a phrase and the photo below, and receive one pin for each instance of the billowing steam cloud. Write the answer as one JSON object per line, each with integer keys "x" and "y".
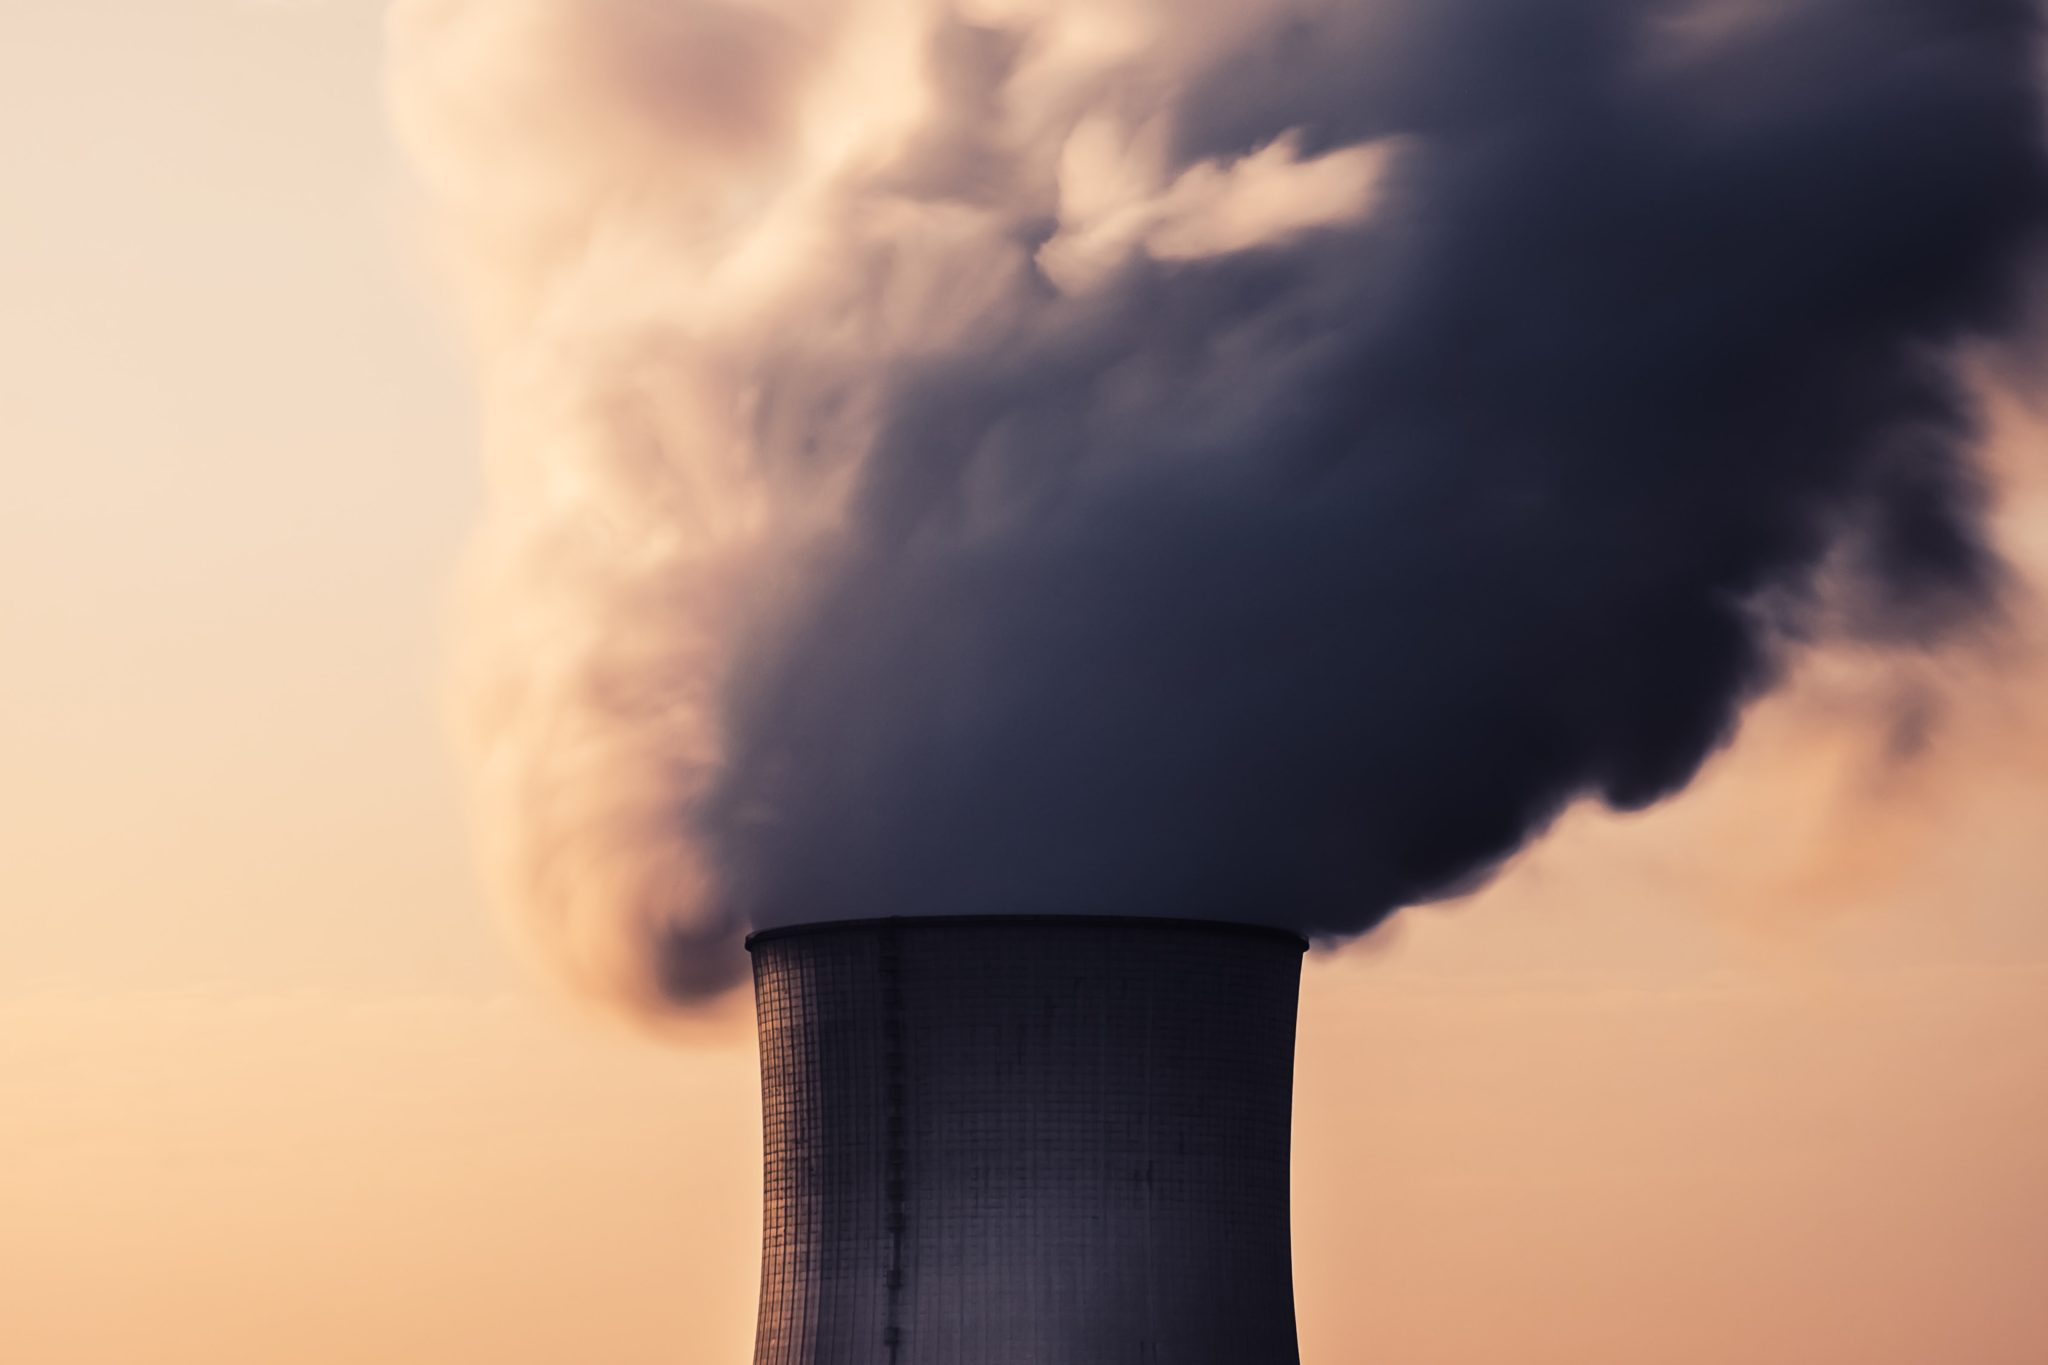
{"x": 1187, "y": 457}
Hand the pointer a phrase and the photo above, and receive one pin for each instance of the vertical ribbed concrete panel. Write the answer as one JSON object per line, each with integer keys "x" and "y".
{"x": 1026, "y": 1142}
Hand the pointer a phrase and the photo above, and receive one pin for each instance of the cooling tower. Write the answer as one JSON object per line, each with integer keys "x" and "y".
{"x": 1044, "y": 1141}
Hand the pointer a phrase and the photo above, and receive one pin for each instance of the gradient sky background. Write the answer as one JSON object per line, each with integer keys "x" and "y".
{"x": 1758, "y": 1078}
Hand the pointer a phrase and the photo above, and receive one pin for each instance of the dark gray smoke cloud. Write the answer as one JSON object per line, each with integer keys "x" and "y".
{"x": 1245, "y": 458}
{"x": 1310, "y": 580}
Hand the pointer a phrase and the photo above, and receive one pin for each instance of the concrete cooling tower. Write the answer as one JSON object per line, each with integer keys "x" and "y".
{"x": 1042, "y": 1141}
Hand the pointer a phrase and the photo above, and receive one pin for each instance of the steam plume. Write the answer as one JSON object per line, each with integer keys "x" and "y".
{"x": 1182, "y": 456}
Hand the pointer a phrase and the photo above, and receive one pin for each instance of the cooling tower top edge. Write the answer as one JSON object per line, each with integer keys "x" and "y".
{"x": 921, "y": 922}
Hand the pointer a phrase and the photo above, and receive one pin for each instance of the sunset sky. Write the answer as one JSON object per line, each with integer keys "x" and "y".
{"x": 1756, "y": 1077}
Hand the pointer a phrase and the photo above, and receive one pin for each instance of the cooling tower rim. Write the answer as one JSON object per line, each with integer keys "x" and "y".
{"x": 1234, "y": 928}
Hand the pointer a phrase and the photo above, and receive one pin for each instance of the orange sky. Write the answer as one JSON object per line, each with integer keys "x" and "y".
{"x": 1757, "y": 1078}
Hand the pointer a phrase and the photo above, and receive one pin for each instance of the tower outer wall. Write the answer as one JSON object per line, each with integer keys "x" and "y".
{"x": 1026, "y": 1142}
